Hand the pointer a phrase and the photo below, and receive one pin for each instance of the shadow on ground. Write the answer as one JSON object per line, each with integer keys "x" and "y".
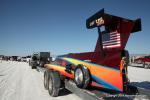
{"x": 144, "y": 84}
{"x": 64, "y": 92}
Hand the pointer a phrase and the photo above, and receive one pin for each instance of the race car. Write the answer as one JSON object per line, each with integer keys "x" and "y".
{"x": 105, "y": 67}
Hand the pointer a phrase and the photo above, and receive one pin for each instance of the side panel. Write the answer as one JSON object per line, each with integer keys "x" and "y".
{"x": 103, "y": 75}
{"x": 108, "y": 78}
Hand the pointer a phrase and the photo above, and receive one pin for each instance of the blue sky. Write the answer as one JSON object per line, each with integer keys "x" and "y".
{"x": 28, "y": 26}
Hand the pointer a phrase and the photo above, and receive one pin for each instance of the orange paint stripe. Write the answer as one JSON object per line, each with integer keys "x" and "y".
{"x": 60, "y": 69}
{"x": 109, "y": 76}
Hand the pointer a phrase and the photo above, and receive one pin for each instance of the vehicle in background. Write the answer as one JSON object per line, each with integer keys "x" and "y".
{"x": 1, "y": 57}
{"x": 6, "y": 58}
{"x": 39, "y": 59}
{"x": 144, "y": 60}
{"x": 28, "y": 59}
{"x": 33, "y": 61}
{"x": 24, "y": 59}
{"x": 18, "y": 58}
{"x": 14, "y": 58}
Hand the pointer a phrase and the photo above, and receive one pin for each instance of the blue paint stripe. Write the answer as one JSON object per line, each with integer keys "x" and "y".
{"x": 92, "y": 64}
{"x": 104, "y": 83}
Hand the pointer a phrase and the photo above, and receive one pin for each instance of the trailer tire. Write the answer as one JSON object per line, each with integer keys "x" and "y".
{"x": 54, "y": 83}
{"x": 82, "y": 76}
{"x": 46, "y": 80}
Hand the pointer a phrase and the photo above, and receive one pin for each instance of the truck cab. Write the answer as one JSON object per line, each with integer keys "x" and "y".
{"x": 39, "y": 59}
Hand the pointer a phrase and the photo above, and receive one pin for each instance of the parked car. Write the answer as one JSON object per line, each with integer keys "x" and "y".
{"x": 24, "y": 59}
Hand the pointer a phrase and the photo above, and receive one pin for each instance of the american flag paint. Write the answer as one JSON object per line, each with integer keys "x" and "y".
{"x": 111, "y": 40}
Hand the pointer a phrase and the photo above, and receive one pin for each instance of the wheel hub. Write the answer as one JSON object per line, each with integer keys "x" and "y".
{"x": 79, "y": 76}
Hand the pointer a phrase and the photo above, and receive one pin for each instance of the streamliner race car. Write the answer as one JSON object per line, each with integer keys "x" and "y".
{"x": 105, "y": 67}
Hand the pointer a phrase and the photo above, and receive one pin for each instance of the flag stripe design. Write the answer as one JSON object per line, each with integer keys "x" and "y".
{"x": 111, "y": 40}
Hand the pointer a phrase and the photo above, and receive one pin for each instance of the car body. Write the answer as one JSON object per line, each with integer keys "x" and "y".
{"x": 24, "y": 59}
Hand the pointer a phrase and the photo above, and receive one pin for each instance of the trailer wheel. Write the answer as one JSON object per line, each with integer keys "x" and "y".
{"x": 54, "y": 83}
{"x": 46, "y": 80}
{"x": 81, "y": 76}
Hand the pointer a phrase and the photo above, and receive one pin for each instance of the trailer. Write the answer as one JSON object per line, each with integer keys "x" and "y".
{"x": 101, "y": 73}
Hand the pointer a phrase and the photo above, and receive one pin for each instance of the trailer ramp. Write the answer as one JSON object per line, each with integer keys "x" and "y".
{"x": 103, "y": 95}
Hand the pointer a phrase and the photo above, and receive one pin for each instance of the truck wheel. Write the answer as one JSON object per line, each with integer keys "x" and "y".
{"x": 54, "y": 83}
{"x": 81, "y": 76}
{"x": 46, "y": 80}
{"x": 33, "y": 67}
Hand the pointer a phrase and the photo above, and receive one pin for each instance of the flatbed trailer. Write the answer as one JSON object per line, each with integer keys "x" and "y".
{"x": 102, "y": 73}
{"x": 138, "y": 93}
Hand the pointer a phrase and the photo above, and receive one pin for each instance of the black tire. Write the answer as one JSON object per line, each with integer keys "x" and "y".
{"x": 33, "y": 67}
{"x": 46, "y": 80}
{"x": 54, "y": 83}
{"x": 82, "y": 80}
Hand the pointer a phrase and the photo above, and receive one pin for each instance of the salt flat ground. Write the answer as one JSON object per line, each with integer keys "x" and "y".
{"x": 19, "y": 82}
{"x": 139, "y": 77}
